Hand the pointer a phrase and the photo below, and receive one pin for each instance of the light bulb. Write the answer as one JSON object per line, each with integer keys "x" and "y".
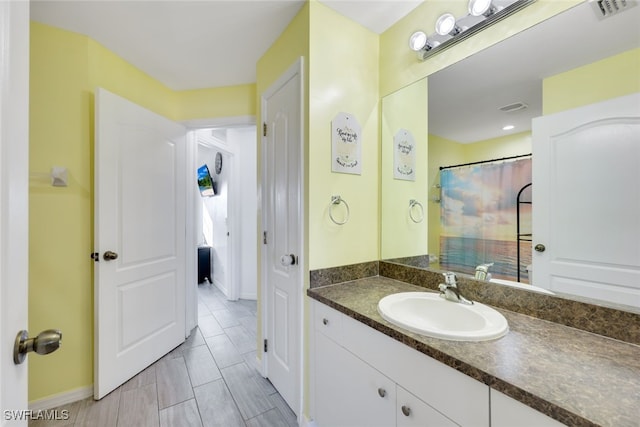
{"x": 417, "y": 41}
{"x": 445, "y": 24}
{"x": 479, "y": 7}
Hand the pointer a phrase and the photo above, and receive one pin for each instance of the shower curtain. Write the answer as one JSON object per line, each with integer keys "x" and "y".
{"x": 478, "y": 218}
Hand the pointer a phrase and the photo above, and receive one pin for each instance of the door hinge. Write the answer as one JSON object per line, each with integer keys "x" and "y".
{"x": 264, "y": 237}
{"x": 265, "y": 346}
{"x": 264, "y": 129}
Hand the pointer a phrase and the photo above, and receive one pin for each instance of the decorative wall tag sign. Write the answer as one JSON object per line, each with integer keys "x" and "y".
{"x": 346, "y": 140}
{"x": 404, "y": 156}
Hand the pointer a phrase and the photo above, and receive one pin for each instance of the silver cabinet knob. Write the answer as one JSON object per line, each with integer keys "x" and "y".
{"x": 406, "y": 410}
{"x": 325, "y": 321}
{"x": 539, "y": 247}
{"x": 109, "y": 256}
{"x": 289, "y": 259}
{"x": 382, "y": 392}
{"x": 46, "y": 342}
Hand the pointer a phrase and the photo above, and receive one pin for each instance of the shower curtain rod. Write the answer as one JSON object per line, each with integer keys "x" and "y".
{"x": 484, "y": 161}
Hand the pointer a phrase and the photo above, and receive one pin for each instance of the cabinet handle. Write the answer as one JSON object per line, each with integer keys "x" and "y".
{"x": 382, "y": 392}
{"x": 325, "y": 321}
{"x": 406, "y": 410}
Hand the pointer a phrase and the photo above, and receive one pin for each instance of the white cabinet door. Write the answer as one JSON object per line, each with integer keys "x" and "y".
{"x": 350, "y": 393}
{"x": 508, "y": 412}
{"x": 413, "y": 412}
{"x": 585, "y": 225}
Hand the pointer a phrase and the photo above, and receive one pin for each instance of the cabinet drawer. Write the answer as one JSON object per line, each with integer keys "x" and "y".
{"x": 328, "y": 321}
{"x": 413, "y": 412}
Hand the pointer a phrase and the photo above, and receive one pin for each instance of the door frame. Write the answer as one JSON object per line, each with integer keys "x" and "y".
{"x": 14, "y": 202}
{"x": 296, "y": 68}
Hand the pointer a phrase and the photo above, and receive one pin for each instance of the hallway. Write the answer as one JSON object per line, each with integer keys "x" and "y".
{"x": 210, "y": 380}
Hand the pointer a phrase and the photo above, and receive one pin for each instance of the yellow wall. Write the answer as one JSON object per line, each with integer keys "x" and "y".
{"x": 611, "y": 77}
{"x": 495, "y": 148}
{"x": 60, "y": 221}
{"x": 343, "y": 77}
{"x": 229, "y": 101}
{"x": 65, "y": 69}
{"x": 404, "y": 109}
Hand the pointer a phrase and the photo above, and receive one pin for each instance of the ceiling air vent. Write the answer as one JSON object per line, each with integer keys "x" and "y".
{"x": 516, "y": 106}
{"x": 606, "y": 8}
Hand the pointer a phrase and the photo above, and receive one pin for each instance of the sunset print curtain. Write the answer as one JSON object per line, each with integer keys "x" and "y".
{"x": 478, "y": 218}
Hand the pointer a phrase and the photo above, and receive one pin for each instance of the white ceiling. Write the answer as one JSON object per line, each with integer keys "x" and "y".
{"x": 199, "y": 44}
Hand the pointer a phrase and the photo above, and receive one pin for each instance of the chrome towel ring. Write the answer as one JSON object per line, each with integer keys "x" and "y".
{"x": 336, "y": 200}
{"x": 415, "y": 205}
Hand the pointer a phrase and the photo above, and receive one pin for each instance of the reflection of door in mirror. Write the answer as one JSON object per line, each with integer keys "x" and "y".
{"x": 587, "y": 201}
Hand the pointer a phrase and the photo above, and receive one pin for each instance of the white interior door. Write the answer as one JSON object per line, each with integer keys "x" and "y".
{"x": 283, "y": 224}
{"x": 586, "y": 201}
{"x": 14, "y": 214}
{"x": 140, "y": 216}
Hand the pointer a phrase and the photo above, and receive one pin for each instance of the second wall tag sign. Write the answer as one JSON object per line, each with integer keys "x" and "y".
{"x": 346, "y": 142}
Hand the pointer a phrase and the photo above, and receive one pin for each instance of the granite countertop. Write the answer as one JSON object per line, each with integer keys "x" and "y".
{"x": 577, "y": 377}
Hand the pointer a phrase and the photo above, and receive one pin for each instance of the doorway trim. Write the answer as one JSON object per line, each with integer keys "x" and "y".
{"x": 297, "y": 68}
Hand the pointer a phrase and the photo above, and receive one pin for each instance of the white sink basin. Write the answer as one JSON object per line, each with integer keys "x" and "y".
{"x": 428, "y": 314}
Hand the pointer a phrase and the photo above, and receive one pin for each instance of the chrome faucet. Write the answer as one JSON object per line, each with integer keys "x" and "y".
{"x": 482, "y": 272}
{"x": 449, "y": 289}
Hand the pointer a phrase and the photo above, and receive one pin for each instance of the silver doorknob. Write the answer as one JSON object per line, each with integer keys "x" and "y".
{"x": 288, "y": 260}
{"x": 539, "y": 247}
{"x": 46, "y": 342}
{"x": 109, "y": 256}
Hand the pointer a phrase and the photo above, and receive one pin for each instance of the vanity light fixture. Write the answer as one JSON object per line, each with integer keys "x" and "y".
{"x": 450, "y": 31}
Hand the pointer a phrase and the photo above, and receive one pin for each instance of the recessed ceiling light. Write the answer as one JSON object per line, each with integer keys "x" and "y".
{"x": 508, "y": 127}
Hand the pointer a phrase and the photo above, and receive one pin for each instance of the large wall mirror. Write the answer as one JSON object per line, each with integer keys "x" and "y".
{"x": 457, "y": 115}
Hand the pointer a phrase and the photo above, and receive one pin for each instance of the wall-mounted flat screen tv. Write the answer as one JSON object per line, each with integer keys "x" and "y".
{"x": 206, "y": 184}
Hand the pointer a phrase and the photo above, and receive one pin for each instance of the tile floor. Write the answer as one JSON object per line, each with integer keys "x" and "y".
{"x": 210, "y": 380}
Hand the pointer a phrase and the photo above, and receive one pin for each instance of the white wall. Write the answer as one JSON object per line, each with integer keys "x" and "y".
{"x": 243, "y": 139}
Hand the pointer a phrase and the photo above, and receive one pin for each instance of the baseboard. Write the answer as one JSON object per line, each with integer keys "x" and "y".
{"x": 220, "y": 287}
{"x": 60, "y": 399}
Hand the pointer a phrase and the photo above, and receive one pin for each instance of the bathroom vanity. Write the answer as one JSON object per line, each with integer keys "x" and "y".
{"x": 366, "y": 371}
